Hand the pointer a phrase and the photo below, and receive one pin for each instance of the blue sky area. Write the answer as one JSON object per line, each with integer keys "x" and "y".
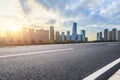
{"x": 91, "y": 15}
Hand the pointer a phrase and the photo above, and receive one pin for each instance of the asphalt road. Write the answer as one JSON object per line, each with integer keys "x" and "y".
{"x": 56, "y": 62}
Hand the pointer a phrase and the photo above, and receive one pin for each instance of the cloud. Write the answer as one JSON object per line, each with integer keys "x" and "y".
{"x": 9, "y": 13}
{"x": 25, "y": 7}
{"x": 62, "y": 13}
{"x": 51, "y": 21}
{"x": 111, "y": 9}
{"x": 112, "y": 13}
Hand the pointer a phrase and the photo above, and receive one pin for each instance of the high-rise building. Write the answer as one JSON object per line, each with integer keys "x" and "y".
{"x": 68, "y": 35}
{"x": 51, "y": 33}
{"x": 86, "y": 39}
{"x": 83, "y": 33}
{"x": 79, "y": 38}
{"x": 63, "y": 36}
{"x": 31, "y": 36}
{"x": 118, "y": 35}
{"x": 45, "y": 35}
{"x": 24, "y": 35}
{"x": 98, "y": 36}
{"x": 114, "y": 34}
{"x": 42, "y": 35}
{"x": 37, "y": 35}
{"x": 101, "y": 38}
{"x": 57, "y": 36}
{"x": 110, "y": 35}
{"x": 74, "y": 32}
{"x": 105, "y": 34}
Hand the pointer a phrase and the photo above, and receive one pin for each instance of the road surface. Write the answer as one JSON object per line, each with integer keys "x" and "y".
{"x": 56, "y": 62}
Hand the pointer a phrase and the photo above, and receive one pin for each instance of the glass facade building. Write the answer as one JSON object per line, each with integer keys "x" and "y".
{"x": 98, "y": 36}
{"x": 79, "y": 37}
{"x": 114, "y": 34}
{"x": 106, "y": 35}
{"x": 83, "y": 33}
{"x": 74, "y": 32}
{"x": 68, "y": 35}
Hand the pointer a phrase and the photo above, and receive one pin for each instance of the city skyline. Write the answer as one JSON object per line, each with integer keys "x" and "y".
{"x": 44, "y": 13}
{"x": 108, "y": 35}
{"x": 37, "y": 36}
{"x": 72, "y": 35}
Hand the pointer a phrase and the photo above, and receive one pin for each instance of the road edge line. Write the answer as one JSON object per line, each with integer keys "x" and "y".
{"x": 99, "y": 72}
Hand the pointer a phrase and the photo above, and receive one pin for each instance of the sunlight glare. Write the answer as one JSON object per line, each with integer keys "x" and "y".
{"x": 14, "y": 28}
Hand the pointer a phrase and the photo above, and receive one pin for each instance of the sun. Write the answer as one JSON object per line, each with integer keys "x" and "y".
{"x": 14, "y": 28}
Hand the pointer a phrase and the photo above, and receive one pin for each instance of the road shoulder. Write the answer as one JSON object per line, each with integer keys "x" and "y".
{"x": 115, "y": 76}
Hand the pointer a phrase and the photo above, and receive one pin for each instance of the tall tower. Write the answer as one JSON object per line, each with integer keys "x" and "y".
{"x": 105, "y": 34}
{"x": 51, "y": 33}
{"x": 110, "y": 35}
{"x": 74, "y": 32}
{"x": 63, "y": 37}
{"x": 101, "y": 38}
{"x": 57, "y": 36}
{"x": 31, "y": 37}
{"x": 114, "y": 34}
{"x": 68, "y": 35}
{"x": 37, "y": 35}
{"x": 79, "y": 37}
{"x": 83, "y": 33}
{"x": 98, "y": 36}
{"x": 24, "y": 35}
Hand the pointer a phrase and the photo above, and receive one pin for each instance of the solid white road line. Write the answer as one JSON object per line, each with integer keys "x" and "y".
{"x": 23, "y": 54}
{"x": 96, "y": 74}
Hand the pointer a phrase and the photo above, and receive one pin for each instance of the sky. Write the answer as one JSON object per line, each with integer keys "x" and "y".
{"x": 92, "y": 15}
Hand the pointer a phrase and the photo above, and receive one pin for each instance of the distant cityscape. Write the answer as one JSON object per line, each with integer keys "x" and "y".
{"x": 39, "y": 36}
{"x": 32, "y": 36}
{"x": 113, "y": 35}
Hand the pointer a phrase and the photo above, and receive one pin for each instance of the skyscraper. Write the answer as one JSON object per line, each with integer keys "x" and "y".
{"x": 68, "y": 35}
{"x": 110, "y": 35}
{"x": 101, "y": 38}
{"x": 44, "y": 35}
{"x": 63, "y": 36}
{"x": 86, "y": 39}
{"x": 83, "y": 33}
{"x": 118, "y": 35}
{"x": 57, "y": 36}
{"x": 51, "y": 33}
{"x": 105, "y": 34}
{"x": 79, "y": 37}
{"x": 37, "y": 35}
{"x": 98, "y": 36}
{"x": 74, "y": 31}
{"x": 31, "y": 36}
{"x": 24, "y": 35}
{"x": 114, "y": 34}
